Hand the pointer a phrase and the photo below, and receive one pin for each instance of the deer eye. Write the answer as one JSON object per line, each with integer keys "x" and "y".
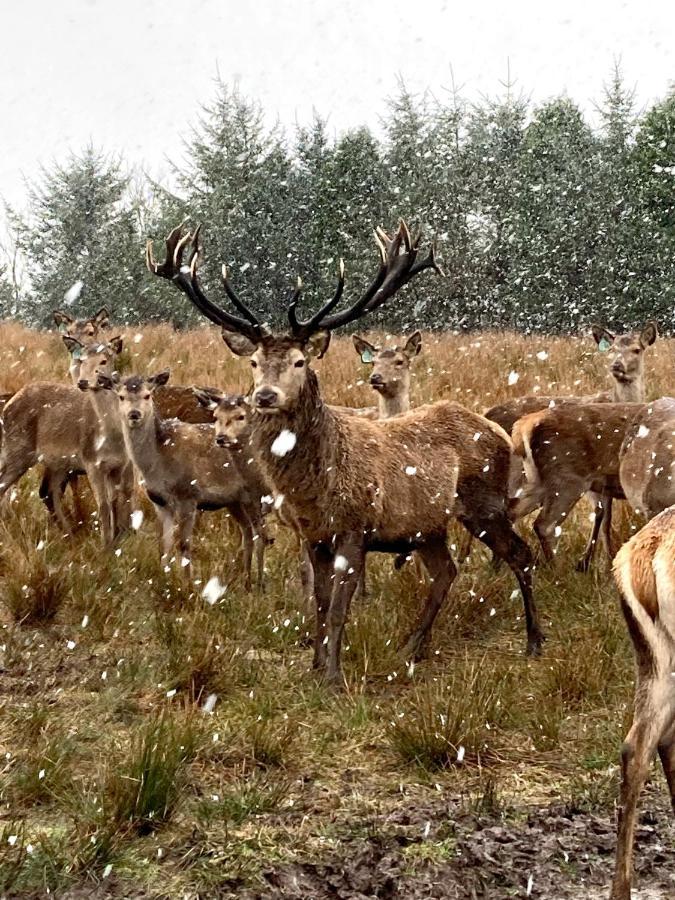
{"x": 299, "y": 363}
{"x": 399, "y": 362}
{"x": 146, "y": 396}
{"x": 254, "y": 364}
{"x": 104, "y": 361}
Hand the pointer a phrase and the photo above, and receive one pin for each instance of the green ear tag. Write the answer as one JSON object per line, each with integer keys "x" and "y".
{"x": 604, "y": 345}
{"x": 367, "y": 356}
{"x": 77, "y": 353}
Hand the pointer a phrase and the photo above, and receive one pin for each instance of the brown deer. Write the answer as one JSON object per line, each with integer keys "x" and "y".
{"x": 644, "y": 570}
{"x": 57, "y": 424}
{"x": 85, "y": 331}
{"x": 647, "y": 464}
{"x": 567, "y": 451}
{"x": 626, "y": 370}
{"x": 352, "y": 485}
{"x": 390, "y": 376}
{"x": 184, "y": 471}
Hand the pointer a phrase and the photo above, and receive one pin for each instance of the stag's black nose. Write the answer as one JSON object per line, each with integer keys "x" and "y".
{"x": 375, "y": 378}
{"x": 265, "y": 397}
{"x": 134, "y": 415}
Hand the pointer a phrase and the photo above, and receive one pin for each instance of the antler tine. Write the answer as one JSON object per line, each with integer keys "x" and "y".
{"x": 307, "y": 328}
{"x": 187, "y": 281}
{"x": 429, "y": 262}
{"x": 239, "y": 304}
{"x": 296, "y": 326}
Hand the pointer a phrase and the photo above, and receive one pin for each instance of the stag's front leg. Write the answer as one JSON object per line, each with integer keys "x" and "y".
{"x": 321, "y": 564}
{"x": 348, "y": 563}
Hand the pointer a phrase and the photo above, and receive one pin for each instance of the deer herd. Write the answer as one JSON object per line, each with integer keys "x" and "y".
{"x": 386, "y": 479}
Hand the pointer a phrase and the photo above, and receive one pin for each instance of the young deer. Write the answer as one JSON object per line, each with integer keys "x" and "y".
{"x": 85, "y": 331}
{"x": 626, "y": 370}
{"x": 390, "y": 376}
{"x": 644, "y": 570}
{"x": 56, "y": 424}
{"x": 351, "y": 485}
{"x": 184, "y": 471}
{"x": 647, "y": 462}
{"x": 568, "y": 451}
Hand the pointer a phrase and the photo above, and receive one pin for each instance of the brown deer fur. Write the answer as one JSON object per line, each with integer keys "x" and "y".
{"x": 55, "y": 424}
{"x": 184, "y": 471}
{"x": 626, "y": 371}
{"x": 644, "y": 570}
{"x": 647, "y": 465}
{"x": 390, "y": 375}
{"x": 567, "y": 451}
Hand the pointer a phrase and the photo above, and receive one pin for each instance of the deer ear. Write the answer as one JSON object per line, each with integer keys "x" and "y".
{"x": 365, "y": 349}
{"x": 649, "y": 334}
{"x": 72, "y": 344}
{"x": 206, "y": 398}
{"x": 116, "y": 344}
{"x": 61, "y": 318}
{"x": 238, "y": 343}
{"x": 102, "y": 318}
{"x": 413, "y": 345}
{"x": 159, "y": 379}
{"x": 317, "y": 344}
{"x": 603, "y": 338}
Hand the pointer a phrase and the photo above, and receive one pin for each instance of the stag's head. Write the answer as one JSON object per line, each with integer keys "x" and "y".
{"x": 84, "y": 330}
{"x": 135, "y": 395}
{"x": 231, "y": 413}
{"x": 626, "y": 351}
{"x": 279, "y": 361}
{"x": 390, "y": 375}
{"x": 91, "y": 358}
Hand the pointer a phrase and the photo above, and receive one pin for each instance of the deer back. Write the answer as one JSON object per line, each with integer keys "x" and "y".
{"x": 647, "y": 462}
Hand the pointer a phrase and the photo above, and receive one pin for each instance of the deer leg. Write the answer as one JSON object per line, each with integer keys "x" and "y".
{"x": 52, "y": 492}
{"x": 557, "y": 506}
{"x": 442, "y": 572}
{"x": 606, "y": 529}
{"x": 98, "y": 484}
{"x": 667, "y": 757}
{"x": 345, "y": 583}
{"x": 306, "y": 574}
{"x": 12, "y": 468}
{"x": 498, "y": 534}
{"x": 584, "y": 562}
{"x": 653, "y": 721}
{"x": 244, "y": 523}
{"x": 186, "y": 523}
{"x": 321, "y": 560}
{"x": 122, "y": 499}
{"x": 167, "y": 530}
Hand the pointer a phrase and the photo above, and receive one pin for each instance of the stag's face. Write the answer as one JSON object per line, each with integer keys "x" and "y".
{"x": 626, "y": 351}
{"x": 279, "y": 367}
{"x": 135, "y": 397}
{"x": 87, "y": 360}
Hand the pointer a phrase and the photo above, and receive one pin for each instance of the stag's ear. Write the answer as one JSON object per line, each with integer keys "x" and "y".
{"x": 649, "y": 334}
{"x": 603, "y": 338}
{"x": 106, "y": 382}
{"x": 159, "y": 379}
{"x": 365, "y": 349}
{"x": 317, "y": 344}
{"x": 413, "y": 345}
{"x": 61, "y": 318}
{"x": 239, "y": 344}
{"x": 206, "y": 398}
{"x": 102, "y": 318}
{"x": 116, "y": 344}
{"x": 72, "y": 344}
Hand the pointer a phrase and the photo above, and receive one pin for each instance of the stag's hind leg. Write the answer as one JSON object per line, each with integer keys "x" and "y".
{"x": 347, "y": 570}
{"x": 498, "y": 534}
{"x": 442, "y": 572}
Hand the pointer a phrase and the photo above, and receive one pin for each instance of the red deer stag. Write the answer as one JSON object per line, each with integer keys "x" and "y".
{"x": 644, "y": 570}
{"x": 353, "y": 485}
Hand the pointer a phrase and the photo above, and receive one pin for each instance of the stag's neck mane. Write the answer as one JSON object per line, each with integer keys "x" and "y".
{"x": 302, "y": 475}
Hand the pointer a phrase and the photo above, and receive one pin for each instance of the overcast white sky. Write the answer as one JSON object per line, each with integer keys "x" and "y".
{"x": 129, "y": 75}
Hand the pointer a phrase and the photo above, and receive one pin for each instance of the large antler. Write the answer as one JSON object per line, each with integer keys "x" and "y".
{"x": 398, "y": 265}
{"x": 185, "y": 277}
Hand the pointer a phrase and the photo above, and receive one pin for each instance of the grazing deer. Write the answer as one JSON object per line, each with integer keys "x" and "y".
{"x": 567, "y": 451}
{"x": 647, "y": 464}
{"x": 352, "y": 485}
{"x": 644, "y": 570}
{"x": 626, "y": 370}
{"x": 184, "y": 471}
{"x": 57, "y": 424}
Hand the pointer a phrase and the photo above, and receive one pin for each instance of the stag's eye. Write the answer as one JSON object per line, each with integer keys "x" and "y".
{"x": 299, "y": 363}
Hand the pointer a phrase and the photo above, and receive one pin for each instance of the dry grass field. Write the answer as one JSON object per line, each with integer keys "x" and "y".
{"x": 155, "y": 745}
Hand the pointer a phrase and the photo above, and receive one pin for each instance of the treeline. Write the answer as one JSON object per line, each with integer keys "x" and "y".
{"x": 543, "y": 222}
